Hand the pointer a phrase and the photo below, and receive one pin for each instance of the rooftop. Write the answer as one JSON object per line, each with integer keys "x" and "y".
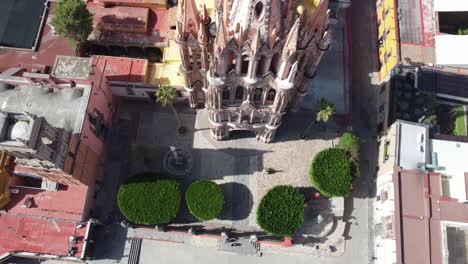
{"x": 421, "y": 214}
{"x": 15, "y": 31}
{"x": 48, "y": 203}
{"x": 36, "y": 235}
{"x": 447, "y": 50}
{"x": 71, "y": 67}
{"x": 448, "y": 155}
{"x": 148, "y": 26}
{"x": 450, "y": 5}
{"x": 411, "y": 145}
{"x": 445, "y": 84}
{"x": 49, "y": 46}
{"x": 63, "y": 108}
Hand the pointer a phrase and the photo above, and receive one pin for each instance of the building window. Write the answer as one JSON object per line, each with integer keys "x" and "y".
{"x": 226, "y": 94}
{"x": 258, "y": 95}
{"x": 97, "y": 126}
{"x": 245, "y": 64}
{"x": 274, "y": 64}
{"x": 232, "y": 60}
{"x": 261, "y": 66}
{"x": 258, "y": 10}
{"x": 239, "y": 93}
{"x": 271, "y": 96}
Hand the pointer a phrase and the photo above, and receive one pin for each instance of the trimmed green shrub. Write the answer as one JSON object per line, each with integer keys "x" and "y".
{"x": 281, "y": 211}
{"x": 332, "y": 172}
{"x": 350, "y": 143}
{"x": 205, "y": 200}
{"x": 149, "y": 200}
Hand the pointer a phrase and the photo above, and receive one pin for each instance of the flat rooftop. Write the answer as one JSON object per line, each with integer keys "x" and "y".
{"x": 412, "y": 145}
{"x": 132, "y": 26}
{"x": 20, "y": 21}
{"x": 63, "y": 108}
{"x": 49, "y": 46}
{"x": 67, "y": 203}
{"x": 36, "y": 235}
{"x": 449, "y": 155}
{"x": 447, "y": 50}
{"x": 72, "y": 67}
{"x": 445, "y": 84}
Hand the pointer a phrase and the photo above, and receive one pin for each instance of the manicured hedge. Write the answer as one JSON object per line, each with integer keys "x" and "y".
{"x": 350, "y": 143}
{"x": 281, "y": 211}
{"x": 332, "y": 172}
{"x": 147, "y": 199}
{"x": 204, "y": 199}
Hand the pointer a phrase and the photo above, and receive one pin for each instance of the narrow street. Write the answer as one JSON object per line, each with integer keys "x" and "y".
{"x": 364, "y": 50}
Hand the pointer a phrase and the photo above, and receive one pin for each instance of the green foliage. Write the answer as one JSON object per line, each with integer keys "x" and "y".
{"x": 462, "y": 31}
{"x": 72, "y": 20}
{"x": 326, "y": 111}
{"x": 430, "y": 120}
{"x": 332, "y": 172}
{"x": 205, "y": 200}
{"x": 166, "y": 96}
{"x": 459, "y": 116}
{"x": 147, "y": 199}
{"x": 350, "y": 143}
{"x": 281, "y": 211}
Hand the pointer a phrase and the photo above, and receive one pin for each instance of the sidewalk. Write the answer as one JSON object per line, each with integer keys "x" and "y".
{"x": 211, "y": 241}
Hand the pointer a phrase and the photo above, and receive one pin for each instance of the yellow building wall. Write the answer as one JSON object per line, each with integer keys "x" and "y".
{"x": 168, "y": 72}
{"x": 387, "y": 33}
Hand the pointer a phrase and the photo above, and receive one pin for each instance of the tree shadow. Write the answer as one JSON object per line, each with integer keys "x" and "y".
{"x": 238, "y": 201}
{"x": 347, "y": 216}
{"x": 302, "y": 126}
{"x": 115, "y": 237}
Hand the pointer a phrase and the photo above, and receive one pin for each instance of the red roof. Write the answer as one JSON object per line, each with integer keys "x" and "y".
{"x": 419, "y": 209}
{"x": 50, "y": 46}
{"x": 38, "y": 235}
{"x": 67, "y": 203}
{"x": 118, "y": 69}
{"x": 157, "y": 22}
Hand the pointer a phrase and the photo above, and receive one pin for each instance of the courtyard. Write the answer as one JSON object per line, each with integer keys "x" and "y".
{"x": 143, "y": 135}
{"x": 236, "y": 165}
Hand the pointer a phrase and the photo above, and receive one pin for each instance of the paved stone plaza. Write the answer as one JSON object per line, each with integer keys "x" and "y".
{"x": 236, "y": 165}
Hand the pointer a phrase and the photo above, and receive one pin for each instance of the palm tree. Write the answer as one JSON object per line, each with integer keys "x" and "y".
{"x": 326, "y": 111}
{"x": 166, "y": 96}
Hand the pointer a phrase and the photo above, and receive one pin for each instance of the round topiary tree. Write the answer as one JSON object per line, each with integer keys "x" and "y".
{"x": 332, "y": 172}
{"x": 147, "y": 199}
{"x": 281, "y": 211}
{"x": 205, "y": 199}
{"x": 350, "y": 143}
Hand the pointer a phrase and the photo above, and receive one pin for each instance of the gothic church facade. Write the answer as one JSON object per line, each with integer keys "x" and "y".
{"x": 252, "y": 61}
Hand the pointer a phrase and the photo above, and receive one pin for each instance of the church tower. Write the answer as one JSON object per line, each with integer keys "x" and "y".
{"x": 258, "y": 62}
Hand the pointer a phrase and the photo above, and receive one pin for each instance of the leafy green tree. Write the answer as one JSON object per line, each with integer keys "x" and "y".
{"x": 332, "y": 172}
{"x": 166, "y": 96}
{"x": 205, "y": 199}
{"x": 149, "y": 199}
{"x": 281, "y": 211}
{"x": 72, "y": 20}
{"x": 326, "y": 111}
